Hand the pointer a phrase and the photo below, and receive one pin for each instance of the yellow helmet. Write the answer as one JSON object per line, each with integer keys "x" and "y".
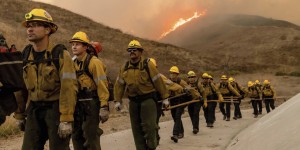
{"x": 153, "y": 61}
{"x": 266, "y": 82}
{"x": 174, "y": 69}
{"x": 80, "y": 37}
{"x": 191, "y": 74}
{"x": 205, "y": 75}
{"x": 40, "y": 15}
{"x": 257, "y": 82}
{"x": 230, "y": 79}
{"x": 250, "y": 83}
{"x": 134, "y": 44}
{"x": 224, "y": 77}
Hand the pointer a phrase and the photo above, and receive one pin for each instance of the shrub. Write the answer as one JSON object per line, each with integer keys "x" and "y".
{"x": 283, "y": 37}
{"x": 9, "y": 128}
{"x": 234, "y": 72}
{"x": 280, "y": 73}
{"x": 295, "y": 74}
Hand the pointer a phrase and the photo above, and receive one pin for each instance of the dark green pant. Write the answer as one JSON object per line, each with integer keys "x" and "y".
{"x": 86, "y": 133}
{"x": 41, "y": 125}
{"x": 143, "y": 116}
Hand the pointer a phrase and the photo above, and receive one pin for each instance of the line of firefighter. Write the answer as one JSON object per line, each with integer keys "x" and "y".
{"x": 70, "y": 97}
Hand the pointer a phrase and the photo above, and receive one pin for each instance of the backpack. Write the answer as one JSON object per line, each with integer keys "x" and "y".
{"x": 254, "y": 91}
{"x": 87, "y": 72}
{"x": 52, "y": 57}
{"x": 267, "y": 91}
{"x": 11, "y": 71}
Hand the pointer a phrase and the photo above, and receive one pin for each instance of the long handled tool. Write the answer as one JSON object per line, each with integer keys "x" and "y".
{"x": 180, "y": 95}
{"x": 183, "y": 104}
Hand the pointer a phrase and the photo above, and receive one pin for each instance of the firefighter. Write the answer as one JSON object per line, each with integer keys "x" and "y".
{"x": 254, "y": 93}
{"x": 242, "y": 91}
{"x": 268, "y": 95}
{"x": 142, "y": 81}
{"x": 191, "y": 93}
{"x": 212, "y": 94}
{"x": 172, "y": 88}
{"x": 51, "y": 85}
{"x": 92, "y": 97}
{"x": 194, "y": 108}
{"x": 257, "y": 83}
{"x": 226, "y": 90}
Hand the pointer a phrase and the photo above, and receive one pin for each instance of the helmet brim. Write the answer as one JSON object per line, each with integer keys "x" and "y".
{"x": 52, "y": 26}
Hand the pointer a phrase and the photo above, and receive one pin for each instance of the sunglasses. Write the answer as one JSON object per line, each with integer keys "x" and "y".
{"x": 192, "y": 77}
{"x": 35, "y": 24}
{"x": 2, "y": 42}
{"x": 132, "y": 50}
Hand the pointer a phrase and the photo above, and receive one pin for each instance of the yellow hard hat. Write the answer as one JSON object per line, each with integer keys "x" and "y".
{"x": 174, "y": 69}
{"x": 250, "y": 83}
{"x": 40, "y": 15}
{"x": 257, "y": 82}
{"x": 266, "y": 82}
{"x": 230, "y": 79}
{"x": 191, "y": 74}
{"x": 134, "y": 44}
{"x": 205, "y": 75}
{"x": 153, "y": 61}
{"x": 80, "y": 37}
{"x": 224, "y": 77}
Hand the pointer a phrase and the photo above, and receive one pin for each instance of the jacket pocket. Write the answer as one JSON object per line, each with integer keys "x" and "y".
{"x": 49, "y": 78}
{"x": 144, "y": 78}
{"x": 29, "y": 75}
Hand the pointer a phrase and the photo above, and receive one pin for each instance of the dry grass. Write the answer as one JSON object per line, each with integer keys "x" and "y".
{"x": 9, "y": 128}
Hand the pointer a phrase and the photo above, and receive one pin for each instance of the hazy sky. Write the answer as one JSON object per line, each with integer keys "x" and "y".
{"x": 150, "y": 18}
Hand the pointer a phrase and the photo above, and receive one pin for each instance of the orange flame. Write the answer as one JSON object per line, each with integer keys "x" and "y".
{"x": 181, "y": 22}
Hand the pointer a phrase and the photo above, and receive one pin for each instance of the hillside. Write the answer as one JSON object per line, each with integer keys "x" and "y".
{"x": 113, "y": 40}
{"x": 242, "y": 42}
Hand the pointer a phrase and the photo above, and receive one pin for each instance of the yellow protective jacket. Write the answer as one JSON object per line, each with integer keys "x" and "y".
{"x": 199, "y": 89}
{"x": 99, "y": 82}
{"x": 45, "y": 83}
{"x": 138, "y": 82}
{"x": 193, "y": 91}
{"x": 226, "y": 88}
{"x": 209, "y": 89}
{"x": 239, "y": 88}
{"x": 171, "y": 86}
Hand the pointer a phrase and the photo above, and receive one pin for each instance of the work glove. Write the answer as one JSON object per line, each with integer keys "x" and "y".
{"x": 187, "y": 91}
{"x": 21, "y": 124}
{"x": 104, "y": 114}
{"x": 118, "y": 106}
{"x": 64, "y": 129}
{"x": 166, "y": 103}
{"x": 221, "y": 99}
{"x": 205, "y": 104}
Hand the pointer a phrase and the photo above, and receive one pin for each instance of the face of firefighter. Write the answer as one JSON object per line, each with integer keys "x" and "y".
{"x": 192, "y": 79}
{"x": 78, "y": 48}
{"x": 134, "y": 54}
{"x": 37, "y": 31}
{"x": 205, "y": 80}
{"x": 173, "y": 76}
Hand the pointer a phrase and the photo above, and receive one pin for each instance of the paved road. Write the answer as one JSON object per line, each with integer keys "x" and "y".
{"x": 216, "y": 138}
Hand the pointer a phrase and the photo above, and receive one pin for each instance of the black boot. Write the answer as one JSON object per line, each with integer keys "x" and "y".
{"x": 174, "y": 138}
